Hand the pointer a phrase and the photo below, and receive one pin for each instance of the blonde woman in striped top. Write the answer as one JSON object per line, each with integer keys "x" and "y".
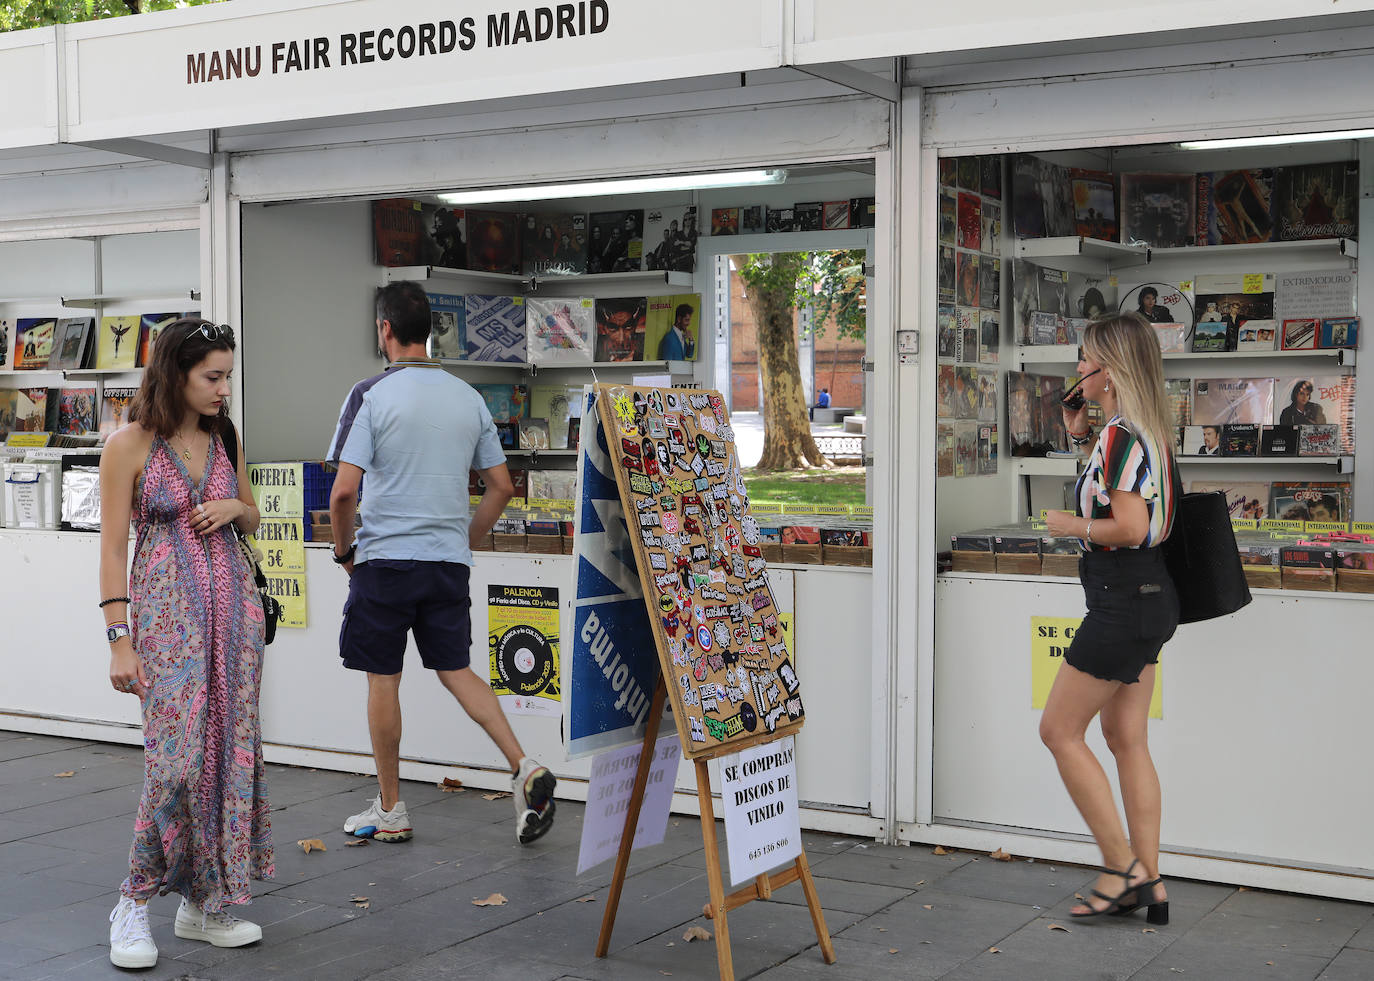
{"x": 1126, "y": 503}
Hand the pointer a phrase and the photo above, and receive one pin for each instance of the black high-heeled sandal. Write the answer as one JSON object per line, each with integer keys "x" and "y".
{"x": 1116, "y": 903}
{"x": 1156, "y": 914}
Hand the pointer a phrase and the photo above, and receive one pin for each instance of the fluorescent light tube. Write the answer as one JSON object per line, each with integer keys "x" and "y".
{"x": 1348, "y": 134}
{"x": 635, "y": 185}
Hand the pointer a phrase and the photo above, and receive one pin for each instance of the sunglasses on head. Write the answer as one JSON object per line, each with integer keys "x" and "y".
{"x": 211, "y": 332}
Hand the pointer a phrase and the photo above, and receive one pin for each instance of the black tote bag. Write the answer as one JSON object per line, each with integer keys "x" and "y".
{"x": 1203, "y": 561}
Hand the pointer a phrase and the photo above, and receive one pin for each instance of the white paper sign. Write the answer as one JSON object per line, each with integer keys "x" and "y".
{"x": 608, "y": 799}
{"x": 1314, "y": 293}
{"x": 758, "y": 787}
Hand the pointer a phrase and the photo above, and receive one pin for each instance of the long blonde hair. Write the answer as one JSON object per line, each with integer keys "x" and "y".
{"x": 1126, "y": 346}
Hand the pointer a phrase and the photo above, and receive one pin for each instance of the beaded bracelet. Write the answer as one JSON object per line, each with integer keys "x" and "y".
{"x": 113, "y": 599}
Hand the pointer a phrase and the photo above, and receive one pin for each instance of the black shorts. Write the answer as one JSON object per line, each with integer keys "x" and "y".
{"x": 389, "y": 597}
{"x": 1132, "y": 611}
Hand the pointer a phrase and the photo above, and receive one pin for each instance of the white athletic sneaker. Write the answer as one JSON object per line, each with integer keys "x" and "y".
{"x": 532, "y": 787}
{"x": 219, "y": 929}
{"x": 392, "y": 825}
{"x": 131, "y": 940}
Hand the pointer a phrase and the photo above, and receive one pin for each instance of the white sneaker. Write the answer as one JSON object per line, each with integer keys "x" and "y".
{"x": 392, "y": 825}
{"x": 131, "y": 940}
{"x": 532, "y": 787}
{"x": 219, "y": 929}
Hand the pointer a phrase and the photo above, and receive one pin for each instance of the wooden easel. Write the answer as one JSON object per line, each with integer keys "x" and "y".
{"x": 721, "y": 904}
{"x": 621, "y": 448}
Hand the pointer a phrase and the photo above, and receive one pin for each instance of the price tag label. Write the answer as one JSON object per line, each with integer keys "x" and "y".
{"x": 1252, "y": 283}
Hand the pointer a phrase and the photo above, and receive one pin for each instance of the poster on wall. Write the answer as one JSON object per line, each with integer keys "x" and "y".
{"x": 1050, "y": 637}
{"x": 522, "y": 639}
{"x": 279, "y": 491}
{"x": 610, "y": 673}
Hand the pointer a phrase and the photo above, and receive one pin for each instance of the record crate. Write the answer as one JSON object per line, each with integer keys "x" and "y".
{"x": 319, "y": 482}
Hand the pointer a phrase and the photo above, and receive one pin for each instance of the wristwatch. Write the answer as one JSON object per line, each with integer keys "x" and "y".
{"x": 347, "y": 557}
{"x": 118, "y": 630}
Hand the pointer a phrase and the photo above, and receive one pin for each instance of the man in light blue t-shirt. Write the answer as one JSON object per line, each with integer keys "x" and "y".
{"x": 415, "y": 431}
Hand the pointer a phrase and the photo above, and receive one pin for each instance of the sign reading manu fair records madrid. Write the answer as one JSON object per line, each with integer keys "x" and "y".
{"x": 257, "y": 61}
{"x": 428, "y": 39}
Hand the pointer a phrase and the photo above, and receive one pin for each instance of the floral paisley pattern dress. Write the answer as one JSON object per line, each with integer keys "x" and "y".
{"x": 202, "y": 828}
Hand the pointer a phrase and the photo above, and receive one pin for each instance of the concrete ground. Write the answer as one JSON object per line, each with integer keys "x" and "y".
{"x": 895, "y": 913}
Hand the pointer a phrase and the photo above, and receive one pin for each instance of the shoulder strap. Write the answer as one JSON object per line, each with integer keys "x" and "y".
{"x": 231, "y": 445}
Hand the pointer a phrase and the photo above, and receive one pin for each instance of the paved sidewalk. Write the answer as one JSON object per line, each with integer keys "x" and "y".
{"x": 898, "y": 913}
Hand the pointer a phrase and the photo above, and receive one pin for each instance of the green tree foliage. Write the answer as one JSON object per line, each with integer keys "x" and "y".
{"x": 16, "y": 15}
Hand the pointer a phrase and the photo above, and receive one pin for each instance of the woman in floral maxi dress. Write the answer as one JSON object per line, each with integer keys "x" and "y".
{"x": 189, "y": 646}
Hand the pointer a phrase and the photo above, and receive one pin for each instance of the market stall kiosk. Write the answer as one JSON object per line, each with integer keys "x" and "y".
{"x": 286, "y": 254}
{"x": 1261, "y": 712}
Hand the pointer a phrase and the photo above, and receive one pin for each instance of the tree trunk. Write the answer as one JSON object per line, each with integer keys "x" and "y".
{"x": 787, "y": 442}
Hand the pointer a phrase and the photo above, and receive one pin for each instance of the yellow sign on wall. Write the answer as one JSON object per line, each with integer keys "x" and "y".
{"x": 289, "y": 591}
{"x": 281, "y": 546}
{"x": 1050, "y": 638}
{"x": 522, "y": 636}
{"x": 278, "y": 489}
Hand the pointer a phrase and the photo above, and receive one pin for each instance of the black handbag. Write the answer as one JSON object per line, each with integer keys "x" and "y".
{"x": 1203, "y": 561}
{"x": 271, "y": 609}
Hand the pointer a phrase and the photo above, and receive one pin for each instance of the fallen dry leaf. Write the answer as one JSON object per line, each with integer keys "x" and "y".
{"x": 696, "y": 933}
{"x": 1268, "y": 963}
{"x": 1000, "y": 855}
{"x": 360, "y": 901}
{"x": 921, "y": 883}
{"x": 892, "y": 950}
{"x": 1149, "y": 930}
{"x": 994, "y": 950}
{"x": 450, "y": 786}
{"x": 497, "y": 796}
{"x": 928, "y": 906}
{"x": 882, "y": 929}
{"x": 65, "y": 773}
{"x": 670, "y": 944}
{"x": 355, "y": 843}
{"x": 309, "y": 845}
{"x": 585, "y": 899}
{"x": 1056, "y": 926}
{"x": 707, "y": 912}
{"x": 495, "y": 899}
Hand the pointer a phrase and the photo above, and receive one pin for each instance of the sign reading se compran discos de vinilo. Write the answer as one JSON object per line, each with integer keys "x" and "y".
{"x": 721, "y": 647}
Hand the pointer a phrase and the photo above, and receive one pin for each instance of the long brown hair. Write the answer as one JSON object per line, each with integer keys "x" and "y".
{"x": 160, "y": 404}
{"x": 1127, "y": 347}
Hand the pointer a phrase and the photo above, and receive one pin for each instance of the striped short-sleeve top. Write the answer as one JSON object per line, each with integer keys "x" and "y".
{"x": 1124, "y": 460}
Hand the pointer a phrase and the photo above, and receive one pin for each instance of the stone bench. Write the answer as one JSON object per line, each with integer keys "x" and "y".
{"x": 831, "y": 415}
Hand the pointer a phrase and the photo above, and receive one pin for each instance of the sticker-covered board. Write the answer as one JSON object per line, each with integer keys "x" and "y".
{"x": 720, "y": 646}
